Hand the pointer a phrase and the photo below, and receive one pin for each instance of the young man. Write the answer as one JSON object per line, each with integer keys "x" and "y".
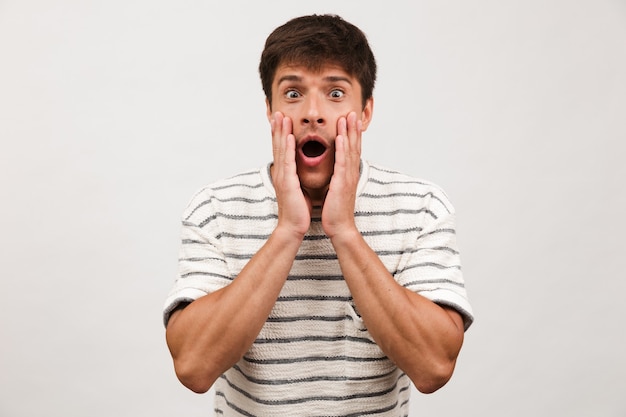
{"x": 319, "y": 284}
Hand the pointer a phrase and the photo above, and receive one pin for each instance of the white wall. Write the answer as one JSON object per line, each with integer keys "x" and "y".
{"x": 112, "y": 113}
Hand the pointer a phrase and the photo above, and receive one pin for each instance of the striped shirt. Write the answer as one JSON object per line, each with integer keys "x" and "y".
{"x": 314, "y": 356}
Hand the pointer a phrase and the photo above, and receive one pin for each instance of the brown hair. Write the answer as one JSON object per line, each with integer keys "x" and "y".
{"x": 317, "y": 40}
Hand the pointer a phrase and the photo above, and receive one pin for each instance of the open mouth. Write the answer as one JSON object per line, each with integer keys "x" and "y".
{"x": 313, "y": 149}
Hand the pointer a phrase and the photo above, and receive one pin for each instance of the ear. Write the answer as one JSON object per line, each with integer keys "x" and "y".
{"x": 268, "y": 107}
{"x": 367, "y": 113}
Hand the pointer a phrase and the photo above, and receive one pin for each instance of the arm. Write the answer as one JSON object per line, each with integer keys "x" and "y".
{"x": 421, "y": 337}
{"x": 211, "y": 334}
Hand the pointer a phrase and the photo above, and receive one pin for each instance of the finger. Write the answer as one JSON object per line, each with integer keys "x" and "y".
{"x": 288, "y": 141}
{"x": 342, "y": 126}
{"x": 359, "y": 129}
{"x": 353, "y": 133}
{"x": 342, "y": 134}
{"x": 277, "y": 124}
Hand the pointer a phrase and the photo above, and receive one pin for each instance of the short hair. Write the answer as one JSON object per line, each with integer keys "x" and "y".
{"x": 314, "y": 41}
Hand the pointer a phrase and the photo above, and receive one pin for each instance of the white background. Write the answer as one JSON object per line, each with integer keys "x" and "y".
{"x": 113, "y": 113}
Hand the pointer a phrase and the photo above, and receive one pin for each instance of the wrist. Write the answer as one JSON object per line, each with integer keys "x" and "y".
{"x": 345, "y": 236}
{"x": 287, "y": 236}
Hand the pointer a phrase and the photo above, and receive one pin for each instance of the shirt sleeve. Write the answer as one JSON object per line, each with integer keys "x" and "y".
{"x": 432, "y": 267}
{"x": 202, "y": 267}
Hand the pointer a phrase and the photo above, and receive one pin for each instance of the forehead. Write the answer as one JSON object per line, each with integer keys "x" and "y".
{"x": 301, "y": 73}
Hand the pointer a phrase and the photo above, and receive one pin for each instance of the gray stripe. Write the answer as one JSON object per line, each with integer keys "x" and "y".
{"x": 389, "y": 171}
{"x": 247, "y": 236}
{"x": 315, "y": 278}
{"x": 245, "y": 200}
{"x": 315, "y": 298}
{"x": 315, "y": 237}
{"x": 238, "y": 184}
{"x": 358, "y": 414}
{"x": 209, "y": 274}
{"x": 428, "y": 194}
{"x": 197, "y": 207}
{"x": 314, "y": 339}
{"x": 391, "y": 231}
{"x": 438, "y": 248}
{"x": 203, "y": 259}
{"x": 324, "y": 237}
{"x": 394, "y": 212}
{"x": 319, "y": 257}
{"x": 438, "y": 231}
{"x": 313, "y": 378}
{"x": 231, "y": 405}
{"x": 313, "y": 398}
{"x": 434, "y": 281}
{"x": 225, "y": 200}
{"x": 270, "y": 216}
{"x": 289, "y": 361}
{"x": 429, "y": 264}
{"x": 291, "y": 319}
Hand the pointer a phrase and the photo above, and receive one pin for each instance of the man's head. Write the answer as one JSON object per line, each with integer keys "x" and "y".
{"x": 315, "y": 41}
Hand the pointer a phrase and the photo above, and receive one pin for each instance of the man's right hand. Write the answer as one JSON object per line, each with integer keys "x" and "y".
{"x": 294, "y": 206}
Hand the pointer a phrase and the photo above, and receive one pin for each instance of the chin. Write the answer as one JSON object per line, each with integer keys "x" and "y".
{"x": 315, "y": 185}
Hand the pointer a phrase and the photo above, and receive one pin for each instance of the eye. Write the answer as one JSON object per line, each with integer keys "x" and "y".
{"x": 292, "y": 94}
{"x": 337, "y": 94}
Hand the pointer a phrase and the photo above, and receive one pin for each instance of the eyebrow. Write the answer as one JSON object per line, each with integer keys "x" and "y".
{"x": 331, "y": 78}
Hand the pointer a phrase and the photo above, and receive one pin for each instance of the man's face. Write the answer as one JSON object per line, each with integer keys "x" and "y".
{"x": 315, "y": 101}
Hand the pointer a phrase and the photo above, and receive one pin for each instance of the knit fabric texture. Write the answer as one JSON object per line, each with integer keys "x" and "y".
{"x": 315, "y": 356}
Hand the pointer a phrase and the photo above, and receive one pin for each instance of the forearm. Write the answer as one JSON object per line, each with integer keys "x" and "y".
{"x": 214, "y": 332}
{"x": 421, "y": 337}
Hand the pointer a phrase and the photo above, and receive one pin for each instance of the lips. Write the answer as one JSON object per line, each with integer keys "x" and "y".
{"x": 312, "y": 151}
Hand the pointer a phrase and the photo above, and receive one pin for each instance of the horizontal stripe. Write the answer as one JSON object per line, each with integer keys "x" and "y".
{"x": 431, "y": 265}
{"x": 287, "y": 340}
{"x": 207, "y": 274}
{"x": 301, "y": 400}
{"x": 434, "y": 232}
{"x": 369, "y": 233}
{"x": 401, "y": 194}
{"x": 246, "y": 200}
{"x": 333, "y": 255}
{"x": 232, "y": 406}
{"x": 394, "y": 212}
{"x": 314, "y": 298}
{"x": 209, "y": 219}
{"x": 391, "y": 232}
{"x": 238, "y": 185}
{"x": 438, "y": 248}
{"x": 329, "y": 378}
{"x": 341, "y": 358}
{"x": 434, "y": 281}
{"x": 291, "y": 319}
{"x": 192, "y": 242}
{"x": 202, "y": 259}
{"x": 357, "y": 414}
{"x": 295, "y": 277}
{"x": 271, "y": 215}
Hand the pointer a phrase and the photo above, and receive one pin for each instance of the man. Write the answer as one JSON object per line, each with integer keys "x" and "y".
{"x": 319, "y": 284}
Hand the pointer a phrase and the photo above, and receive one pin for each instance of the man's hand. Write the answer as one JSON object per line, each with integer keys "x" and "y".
{"x": 338, "y": 209}
{"x": 294, "y": 207}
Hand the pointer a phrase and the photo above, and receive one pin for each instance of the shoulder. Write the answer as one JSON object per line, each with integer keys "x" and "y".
{"x": 247, "y": 185}
{"x": 387, "y": 182}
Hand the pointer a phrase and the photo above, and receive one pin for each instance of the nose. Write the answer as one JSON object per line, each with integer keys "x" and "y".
{"x": 313, "y": 111}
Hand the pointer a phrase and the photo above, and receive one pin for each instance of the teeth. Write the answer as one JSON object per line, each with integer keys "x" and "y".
{"x": 313, "y": 149}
